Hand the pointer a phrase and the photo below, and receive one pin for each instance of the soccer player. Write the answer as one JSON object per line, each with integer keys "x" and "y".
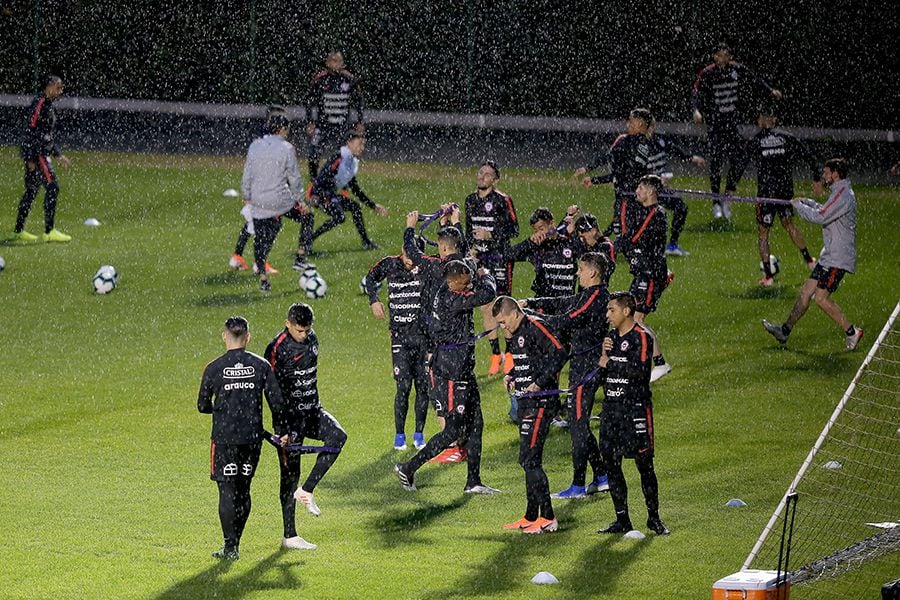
{"x": 294, "y": 356}
{"x": 626, "y": 422}
{"x": 271, "y": 185}
{"x": 408, "y": 338}
{"x": 838, "y": 220}
{"x": 775, "y": 151}
{"x": 581, "y": 320}
{"x": 628, "y": 159}
{"x": 716, "y": 99}
{"x": 661, "y": 147}
{"x": 231, "y": 391}
{"x": 454, "y": 389}
{"x": 328, "y": 193}
{"x": 38, "y": 151}
{"x": 552, "y": 252}
{"x": 333, "y": 93}
{"x": 644, "y": 247}
{"x": 593, "y": 240}
{"x": 538, "y": 357}
{"x": 491, "y": 223}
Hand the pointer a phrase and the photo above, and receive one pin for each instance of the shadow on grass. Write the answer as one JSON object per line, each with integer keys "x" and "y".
{"x": 597, "y": 571}
{"x": 211, "y": 582}
{"x": 834, "y": 364}
{"x": 715, "y": 226}
{"x": 399, "y": 527}
{"x": 252, "y": 297}
{"x": 230, "y": 277}
{"x": 758, "y": 292}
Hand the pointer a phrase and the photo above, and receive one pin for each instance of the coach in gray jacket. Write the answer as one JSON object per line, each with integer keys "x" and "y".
{"x": 273, "y": 188}
{"x": 838, "y": 220}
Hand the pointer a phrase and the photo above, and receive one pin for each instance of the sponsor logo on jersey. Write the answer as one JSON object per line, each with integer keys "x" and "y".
{"x": 238, "y": 371}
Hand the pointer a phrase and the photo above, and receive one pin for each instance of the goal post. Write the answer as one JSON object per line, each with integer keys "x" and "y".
{"x": 848, "y": 511}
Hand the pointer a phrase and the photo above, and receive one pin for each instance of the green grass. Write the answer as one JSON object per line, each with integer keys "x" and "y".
{"x": 103, "y": 456}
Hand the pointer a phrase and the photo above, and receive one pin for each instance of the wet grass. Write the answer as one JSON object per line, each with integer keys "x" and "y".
{"x": 103, "y": 457}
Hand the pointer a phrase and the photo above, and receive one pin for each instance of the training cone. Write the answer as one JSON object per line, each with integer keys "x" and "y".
{"x": 833, "y": 464}
{"x": 230, "y": 193}
{"x": 92, "y": 222}
{"x": 544, "y": 578}
{"x": 736, "y": 503}
{"x": 634, "y": 534}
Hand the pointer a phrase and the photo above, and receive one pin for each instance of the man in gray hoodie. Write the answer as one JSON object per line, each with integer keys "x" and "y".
{"x": 838, "y": 220}
{"x": 272, "y": 186}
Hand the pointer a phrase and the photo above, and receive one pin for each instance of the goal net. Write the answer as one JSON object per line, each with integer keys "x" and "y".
{"x": 847, "y": 520}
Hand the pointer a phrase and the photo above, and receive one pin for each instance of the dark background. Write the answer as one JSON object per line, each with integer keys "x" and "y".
{"x": 836, "y": 61}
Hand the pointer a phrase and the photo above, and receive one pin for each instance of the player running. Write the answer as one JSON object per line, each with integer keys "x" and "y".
{"x": 491, "y": 224}
{"x": 408, "y": 338}
{"x": 838, "y": 220}
{"x": 775, "y": 152}
{"x": 294, "y": 356}
{"x": 626, "y": 422}
{"x": 328, "y": 192}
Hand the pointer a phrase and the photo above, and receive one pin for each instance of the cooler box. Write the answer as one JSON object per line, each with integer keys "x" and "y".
{"x": 751, "y": 585}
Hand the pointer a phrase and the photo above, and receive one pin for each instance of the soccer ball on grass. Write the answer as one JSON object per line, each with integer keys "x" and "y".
{"x": 105, "y": 279}
{"x": 315, "y": 286}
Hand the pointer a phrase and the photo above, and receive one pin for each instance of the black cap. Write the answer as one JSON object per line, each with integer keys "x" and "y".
{"x": 586, "y": 222}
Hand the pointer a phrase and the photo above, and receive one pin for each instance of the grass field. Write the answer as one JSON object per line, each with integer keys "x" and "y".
{"x": 104, "y": 487}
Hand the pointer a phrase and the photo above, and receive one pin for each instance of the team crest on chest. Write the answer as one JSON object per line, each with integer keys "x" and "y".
{"x": 315, "y": 350}
{"x": 624, "y": 346}
{"x": 488, "y": 206}
{"x": 567, "y": 252}
{"x": 521, "y": 341}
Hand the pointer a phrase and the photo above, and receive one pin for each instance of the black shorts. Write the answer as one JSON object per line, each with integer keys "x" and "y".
{"x": 827, "y": 278}
{"x": 449, "y": 396}
{"x": 316, "y": 424}
{"x": 766, "y": 212}
{"x": 626, "y": 429}
{"x": 229, "y": 461}
{"x": 646, "y": 290}
{"x": 408, "y": 357}
{"x": 500, "y": 269}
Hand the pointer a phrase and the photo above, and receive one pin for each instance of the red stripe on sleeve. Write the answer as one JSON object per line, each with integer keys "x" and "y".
{"x": 832, "y": 201}
{"x": 37, "y": 113}
{"x": 450, "y": 394}
{"x": 212, "y": 458}
{"x": 643, "y": 334}
{"x": 546, "y": 332}
{"x": 578, "y": 403}
{"x": 585, "y": 306}
{"x": 646, "y": 222}
{"x": 275, "y": 349}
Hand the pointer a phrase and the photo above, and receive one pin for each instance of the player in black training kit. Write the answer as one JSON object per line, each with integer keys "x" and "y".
{"x": 628, "y": 159}
{"x": 491, "y": 224}
{"x": 454, "y": 389}
{"x": 717, "y": 99}
{"x": 552, "y": 252}
{"x": 580, "y": 320}
{"x": 408, "y": 338}
{"x": 333, "y": 92}
{"x": 661, "y": 147}
{"x": 231, "y": 390}
{"x": 538, "y": 357}
{"x": 328, "y": 192}
{"x": 626, "y": 423}
{"x": 38, "y": 151}
{"x": 643, "y": 244}
{"x": 593, "y": 240}
{"x": 775, "y": 151}
{"x": 294, "y": 356}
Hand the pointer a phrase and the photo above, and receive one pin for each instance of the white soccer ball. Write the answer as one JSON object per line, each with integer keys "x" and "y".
{"x": 308, "y": 273}
{"x": 774, "y": 267}
{"x": 315, "y": 287}
{"x": 362, "y": 286}
{"x": 2, "y": 263}
{"x": 105, "y": 279}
